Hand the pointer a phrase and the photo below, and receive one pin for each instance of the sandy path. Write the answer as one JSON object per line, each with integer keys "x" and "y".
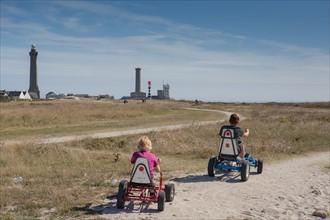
{"x": 293, "y": 189}
{"x": 61, "y": 139}
{"x": 108, "y": 134}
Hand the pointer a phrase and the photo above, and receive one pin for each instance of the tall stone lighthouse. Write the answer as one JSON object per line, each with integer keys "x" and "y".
{"x": 33, "y": 89}
{"x": 138, "y": 94}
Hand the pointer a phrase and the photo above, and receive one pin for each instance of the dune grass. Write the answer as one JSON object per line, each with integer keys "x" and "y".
{"x": 63, "y": 117}
{"x": 60, "y": 181}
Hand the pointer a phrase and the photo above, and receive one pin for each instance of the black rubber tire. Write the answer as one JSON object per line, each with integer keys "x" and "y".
{"x": 210, "y": 167}
{"x": 245, "y": 170}
{"x": 260, "y": 166}
{"x": 122, "y": 183}
{"x": 161, "y": 201}
{"x": 169, "y": 192}
{"x": 121, "y": 192}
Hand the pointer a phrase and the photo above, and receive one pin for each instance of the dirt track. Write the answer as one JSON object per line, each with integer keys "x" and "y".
{"x": 293, "y": 189}
{"x": 50, "y": 140}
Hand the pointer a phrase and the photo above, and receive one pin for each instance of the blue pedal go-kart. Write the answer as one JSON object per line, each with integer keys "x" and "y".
{"x": 228, "y": 157}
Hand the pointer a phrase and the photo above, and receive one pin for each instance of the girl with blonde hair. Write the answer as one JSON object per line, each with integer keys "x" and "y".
{"x": 145, "y": 146}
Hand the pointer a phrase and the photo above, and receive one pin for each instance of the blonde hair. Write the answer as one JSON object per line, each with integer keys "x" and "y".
{"x": 144, "y": 144}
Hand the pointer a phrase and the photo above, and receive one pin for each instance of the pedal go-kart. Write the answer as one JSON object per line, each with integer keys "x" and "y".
{"x": 141, "y": 187}
{"x": 228, "y": 157}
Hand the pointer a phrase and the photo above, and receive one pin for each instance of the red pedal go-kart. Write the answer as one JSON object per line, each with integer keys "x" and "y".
{"x": 142, "y": 188}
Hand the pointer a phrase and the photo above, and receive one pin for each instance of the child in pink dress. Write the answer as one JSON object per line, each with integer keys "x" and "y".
{"x": 144, "y": 147}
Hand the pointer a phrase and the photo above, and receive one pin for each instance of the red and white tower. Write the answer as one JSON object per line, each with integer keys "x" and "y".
{"x": 149, "y": 88}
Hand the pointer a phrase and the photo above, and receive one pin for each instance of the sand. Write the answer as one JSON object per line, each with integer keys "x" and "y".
{"x": 293, "y": 189}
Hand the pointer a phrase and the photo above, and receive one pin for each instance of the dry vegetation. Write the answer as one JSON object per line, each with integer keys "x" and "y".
{"x": 62, "y": 117}
{"x": 60, "y": 180}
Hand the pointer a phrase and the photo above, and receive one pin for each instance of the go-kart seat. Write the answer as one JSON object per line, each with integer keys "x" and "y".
{"x": 228, "y": 149}
{"x": 141, "y": 174}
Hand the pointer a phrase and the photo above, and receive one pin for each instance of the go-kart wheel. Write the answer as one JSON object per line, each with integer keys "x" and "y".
{"x": 169, "y": 192}
{"x": 121, "y": 192}
{"x": 161, "y": 201}
{"x": 122, "y": 183}
{"x": 260, "y": 166}
{"x": 210, "y": 167}
{"x": 245, "y": 170}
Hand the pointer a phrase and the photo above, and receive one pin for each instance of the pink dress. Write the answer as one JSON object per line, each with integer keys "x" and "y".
{"x": 152, "y": 160}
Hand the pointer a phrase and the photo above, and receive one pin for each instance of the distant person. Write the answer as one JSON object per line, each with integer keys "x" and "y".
{"x": 238, "y": 133}
{"x": 145, "y": 147}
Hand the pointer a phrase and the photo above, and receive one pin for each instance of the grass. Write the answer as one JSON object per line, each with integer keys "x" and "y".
{"x": 61, "y": 117}
{"x": 60, "y": 181}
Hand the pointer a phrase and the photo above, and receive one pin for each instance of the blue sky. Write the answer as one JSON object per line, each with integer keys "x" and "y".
{"x": 241, "y": 51}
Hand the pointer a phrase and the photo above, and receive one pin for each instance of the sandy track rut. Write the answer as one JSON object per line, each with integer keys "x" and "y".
{"x": 288, "y": 190}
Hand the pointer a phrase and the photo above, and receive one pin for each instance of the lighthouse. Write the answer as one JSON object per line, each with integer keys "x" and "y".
{"x": 138, "y": 94}
{"x": 33, "y": 89}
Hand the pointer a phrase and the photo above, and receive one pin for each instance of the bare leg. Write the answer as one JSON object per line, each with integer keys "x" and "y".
{"x": 242, "y": 154}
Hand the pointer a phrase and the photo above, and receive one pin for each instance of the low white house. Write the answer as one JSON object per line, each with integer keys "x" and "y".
{"x": 27, "y": 96}
{"x": 24, "y": 96}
